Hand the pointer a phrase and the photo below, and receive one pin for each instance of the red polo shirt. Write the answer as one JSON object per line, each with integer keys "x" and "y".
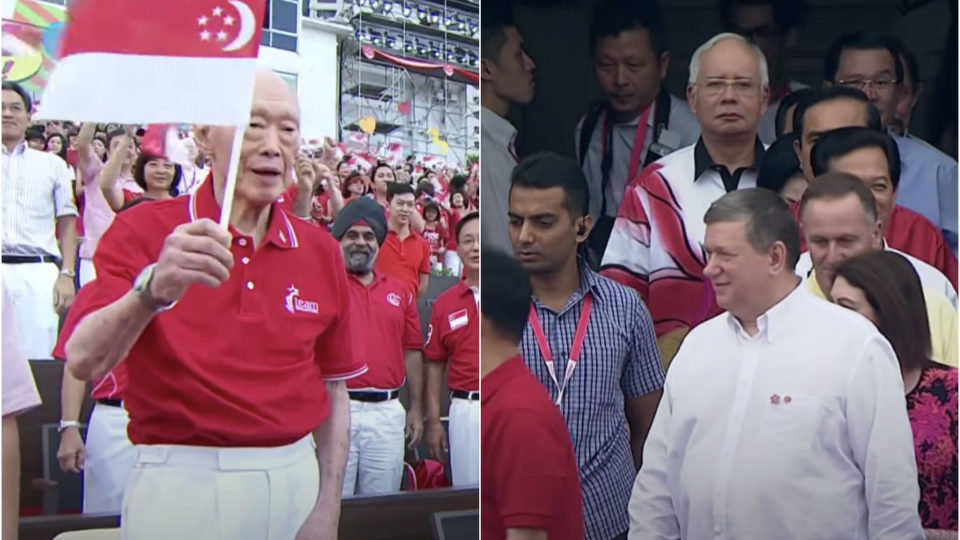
{"x": 243, "y": 364}
{"x": 387, "y": 324}
{"x": 404, "y": 259}
{"x": 113, "y": 386}
{"x": 454, "y": 336}
{"x": 914, "y": 234}
{"x": 528, "y": 471}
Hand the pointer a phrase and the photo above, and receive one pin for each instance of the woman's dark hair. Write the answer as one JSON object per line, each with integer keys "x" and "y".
{"x": 139, "y": 176}
{"x": 63, "y": 145}
{"x": 424, "y": 186}
{"x": 344, "y": 161}
{"x": 458, "y": 182}
{"x": 893, "y": 289}
{"x": 345, "y": 188}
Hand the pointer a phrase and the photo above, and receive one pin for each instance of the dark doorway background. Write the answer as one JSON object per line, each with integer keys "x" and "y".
{"x": 555, "y": 32}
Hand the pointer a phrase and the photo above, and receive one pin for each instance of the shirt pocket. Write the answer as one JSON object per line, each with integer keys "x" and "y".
{"x": 793, "y": 420}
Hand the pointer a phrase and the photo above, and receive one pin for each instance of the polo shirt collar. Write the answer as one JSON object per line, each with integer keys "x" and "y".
{"x": 280, "y": 231}
{"x": 500, "y": 128}
{"x": 18, "y": 150}
{"x": 703, "y": 161}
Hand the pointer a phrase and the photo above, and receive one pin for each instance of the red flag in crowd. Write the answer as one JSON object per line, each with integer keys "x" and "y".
{"x": 143, "y": 61}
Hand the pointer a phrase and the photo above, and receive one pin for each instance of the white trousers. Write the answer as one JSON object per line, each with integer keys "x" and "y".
{"x": 30, "y": 286}
{"x": 375, "y": 460}
{"x": 220, "y": 493}
{"x": 110, "y": 458}
{"x": 87, "y": 272}
{"x": 464, "y": 434}
{"x": 452, "y": 262}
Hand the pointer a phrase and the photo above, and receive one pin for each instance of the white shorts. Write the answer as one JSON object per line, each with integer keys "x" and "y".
{"x": 375, "y": 460}
{"x": 110, "y": 457}
{"x": 464, "y": 434}
{"x": 220, "y": 493}
{"x": 30, "y": 286}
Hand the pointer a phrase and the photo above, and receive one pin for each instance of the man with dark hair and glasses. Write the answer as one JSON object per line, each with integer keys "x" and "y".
{"x": 872, "y": 65}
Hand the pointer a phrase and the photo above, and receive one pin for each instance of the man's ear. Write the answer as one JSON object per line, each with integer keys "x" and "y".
{"x": 201, "y": 135}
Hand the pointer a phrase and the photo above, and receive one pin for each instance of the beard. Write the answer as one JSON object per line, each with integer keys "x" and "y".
{"x": 359, "y": 260}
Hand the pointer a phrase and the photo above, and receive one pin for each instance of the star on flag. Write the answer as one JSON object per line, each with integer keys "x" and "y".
{"x": 204, "y": 36}
{"x": 202, "y": 21}
{"x": 228, "y": 20}
{"x": 217, "y": 11}
{"x": 221, "y": 36}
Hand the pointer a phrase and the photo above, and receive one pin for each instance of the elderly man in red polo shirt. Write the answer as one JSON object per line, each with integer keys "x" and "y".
{"x": 405, "y": 255}
{"x": 454, "y": 339}
{"x": 236, "y": 393}
{"x": 392, "y": 346}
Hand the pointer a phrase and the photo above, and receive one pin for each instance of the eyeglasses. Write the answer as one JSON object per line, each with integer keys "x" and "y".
{"x": 741, "y": 87}
{"x": 880, "y": 85}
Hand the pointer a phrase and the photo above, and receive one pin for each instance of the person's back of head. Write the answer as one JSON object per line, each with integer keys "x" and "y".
{"x": 894, "y": 295}
{"x": 504, "y": 300}
{"x": 780, "y": 170}
{"x": 841, "y": 142}
{"x": 788, "y": 106}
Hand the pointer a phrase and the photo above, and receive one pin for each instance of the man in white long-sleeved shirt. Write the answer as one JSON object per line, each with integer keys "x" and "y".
{"x": 782, "y": 418}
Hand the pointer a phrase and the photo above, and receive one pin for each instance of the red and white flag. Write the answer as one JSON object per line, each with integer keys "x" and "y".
{"x": 163, "y": 140}
{"x": 144, "y": 61}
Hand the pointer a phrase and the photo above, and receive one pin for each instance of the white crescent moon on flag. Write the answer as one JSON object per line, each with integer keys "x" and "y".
{"x": 248, "y": 24}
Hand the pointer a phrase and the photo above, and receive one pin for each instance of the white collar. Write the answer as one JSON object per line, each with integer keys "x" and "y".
{"x": 776, "y": 315}
{"x": 498, "y": 127}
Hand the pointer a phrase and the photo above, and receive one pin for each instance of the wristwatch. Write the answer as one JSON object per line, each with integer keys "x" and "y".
{"x": 69, "y": 272}
{"x": 142, "y": 286}
{"x": 64, "y": 424}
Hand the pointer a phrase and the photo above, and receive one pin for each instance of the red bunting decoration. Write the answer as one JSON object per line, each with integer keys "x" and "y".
{"x": 449, "y": 70}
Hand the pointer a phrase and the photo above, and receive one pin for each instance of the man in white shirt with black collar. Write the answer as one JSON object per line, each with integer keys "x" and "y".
{"x": 507, "y": 74}
{"x": 784, "y": 417}
{"x": 37, "y": 195}
{"x": 638, "y": 121}
{"x": 655, "y": 247}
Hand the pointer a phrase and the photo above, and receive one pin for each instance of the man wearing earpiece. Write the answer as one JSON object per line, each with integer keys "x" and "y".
{"x": 589, "y": 340}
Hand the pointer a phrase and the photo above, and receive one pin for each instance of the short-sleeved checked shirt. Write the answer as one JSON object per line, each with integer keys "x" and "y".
{"x": 619, "y": 360}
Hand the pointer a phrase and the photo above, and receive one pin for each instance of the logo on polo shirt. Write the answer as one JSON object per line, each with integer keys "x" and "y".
{"x": 458, "y": 319}
{"x": 429, "y": 333}
{"x": 293, "y": 303}
{"x": 394, "y": 299}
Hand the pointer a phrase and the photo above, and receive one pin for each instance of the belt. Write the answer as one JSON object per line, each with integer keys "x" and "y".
{"x": 110, "y": 402}
{"x": 472, "y": 396}
{"x": 24, "y": 259}
{"x": 374, "y": 397}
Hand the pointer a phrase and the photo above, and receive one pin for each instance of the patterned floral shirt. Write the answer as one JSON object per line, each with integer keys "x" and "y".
{"x": 932, "y": 408}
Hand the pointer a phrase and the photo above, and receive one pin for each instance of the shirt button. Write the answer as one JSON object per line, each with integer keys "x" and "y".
{"x": 250, "y": 285}
{"x": 245, "y": 260}
{"x": 242, "y": 241}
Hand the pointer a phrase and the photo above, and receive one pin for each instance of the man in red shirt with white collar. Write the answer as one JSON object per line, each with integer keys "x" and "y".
{"x": 405, "y": 255}
{"x": 236, "y": 394}
{"x": 454, "y": 339}
{"x": 392, "y": 344}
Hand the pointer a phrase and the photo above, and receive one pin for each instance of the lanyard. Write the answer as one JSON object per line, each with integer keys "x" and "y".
{"x": 639, "y": 138}
{"x": 575, "y": 348}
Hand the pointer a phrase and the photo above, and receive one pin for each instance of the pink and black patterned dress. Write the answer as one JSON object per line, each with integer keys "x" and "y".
{"x": 932, "y": 408}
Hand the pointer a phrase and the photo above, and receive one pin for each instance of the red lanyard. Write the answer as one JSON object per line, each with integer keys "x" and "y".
{"x": 639, "y": 138}
{"x": 575, "y": 348}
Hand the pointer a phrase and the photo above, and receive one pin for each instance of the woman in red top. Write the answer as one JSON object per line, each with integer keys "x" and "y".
{"x": 884, "y": 287}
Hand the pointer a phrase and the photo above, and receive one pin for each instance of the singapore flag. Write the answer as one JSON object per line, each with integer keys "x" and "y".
{"x": 151, "y": 61}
